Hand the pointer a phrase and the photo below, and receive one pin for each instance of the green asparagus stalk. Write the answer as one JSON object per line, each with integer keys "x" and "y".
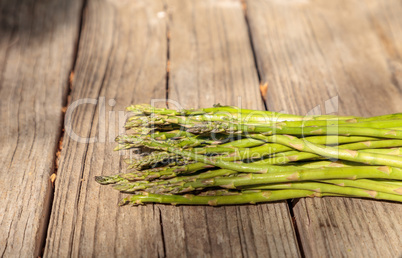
{"x": 291, "y": 156}
{"x": 357, "y": 172}
{"x": 234, "y": 111}
{"x": 250, "y": 120}
{"x": 132, "y": 187}
{"x": 241, "y": 198}
{"x": 392, "y": 151}
{"x": 334, "y": 189}
{"x": 287, "y": 155}
{"x": 337, "y": 153}
{"x": 150, "y": 174}
{"x": 227, "y": 127}
{"x": 373, "y": 185}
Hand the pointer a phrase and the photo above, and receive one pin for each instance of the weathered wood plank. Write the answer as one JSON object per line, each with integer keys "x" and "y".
{"x": 36, "y": 55}
{"x": 212, "y": 62}
{"x": 85, "y": 219}
{"x": 122, "y": 58}
{"x": 310, "y": 52}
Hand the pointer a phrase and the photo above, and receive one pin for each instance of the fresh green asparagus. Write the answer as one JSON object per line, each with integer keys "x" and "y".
{"x": 225, "y": 155}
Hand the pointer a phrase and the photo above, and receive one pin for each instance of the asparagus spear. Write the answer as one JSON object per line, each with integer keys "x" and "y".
{"x": 332, "y": 152}
{"x": 144, "y": 109}
{"x": 250, "y": 120}
{"x": 363, "y": 190}
{"x": 368, "y": 184}
{"x": 202, "y": 128}
{"x": 132, "y": 187}
{"x": 392, "y": 151}
{"x": 268, "y": 149}
{"x": 292, "y": 156}
{"x": 241, "y": 198}
{"x": 357, "y": 172}
{"x": 151, "y": 173}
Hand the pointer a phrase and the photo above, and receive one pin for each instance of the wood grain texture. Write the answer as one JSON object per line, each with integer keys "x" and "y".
{"x": 211, "y": 61}
{"x": 36, "y": 55}
{"x": 121, "y": 60}
{"x": 334, "y": 56}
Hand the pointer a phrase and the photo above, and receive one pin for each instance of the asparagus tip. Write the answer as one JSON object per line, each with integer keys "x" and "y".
{"x": 99, "y": 179}
{"x": 124, "y": 202}
{"x": 103, "y": 180}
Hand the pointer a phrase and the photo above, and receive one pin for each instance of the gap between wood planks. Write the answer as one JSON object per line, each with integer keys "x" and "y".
{"x": 263, "y": 92}
{"x": 168, "y": 17}
{"x": 263, "y": 85}
{"x": 66, "y": 101}
{"x": 165, "y": 8}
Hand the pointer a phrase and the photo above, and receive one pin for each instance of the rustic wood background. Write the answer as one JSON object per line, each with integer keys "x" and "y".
{"x": 298, "y": 56}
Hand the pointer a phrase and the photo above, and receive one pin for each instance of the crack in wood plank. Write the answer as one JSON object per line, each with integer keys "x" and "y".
{"x": 136, "y": 74}
{"x": 35, "y": 59}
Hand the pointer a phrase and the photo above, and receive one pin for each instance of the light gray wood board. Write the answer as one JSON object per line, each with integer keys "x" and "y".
{"x": 121, "y": 60}
{"x": 334, "y": 56}
{"x": 211, "y": 61}
{"x": 37, "y": 45}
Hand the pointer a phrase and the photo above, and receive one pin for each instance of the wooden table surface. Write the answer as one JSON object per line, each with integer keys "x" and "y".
{"x": 297, "y": 56}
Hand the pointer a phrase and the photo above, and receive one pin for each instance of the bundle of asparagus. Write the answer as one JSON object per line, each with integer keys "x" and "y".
{"x": 226, "y": 155}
